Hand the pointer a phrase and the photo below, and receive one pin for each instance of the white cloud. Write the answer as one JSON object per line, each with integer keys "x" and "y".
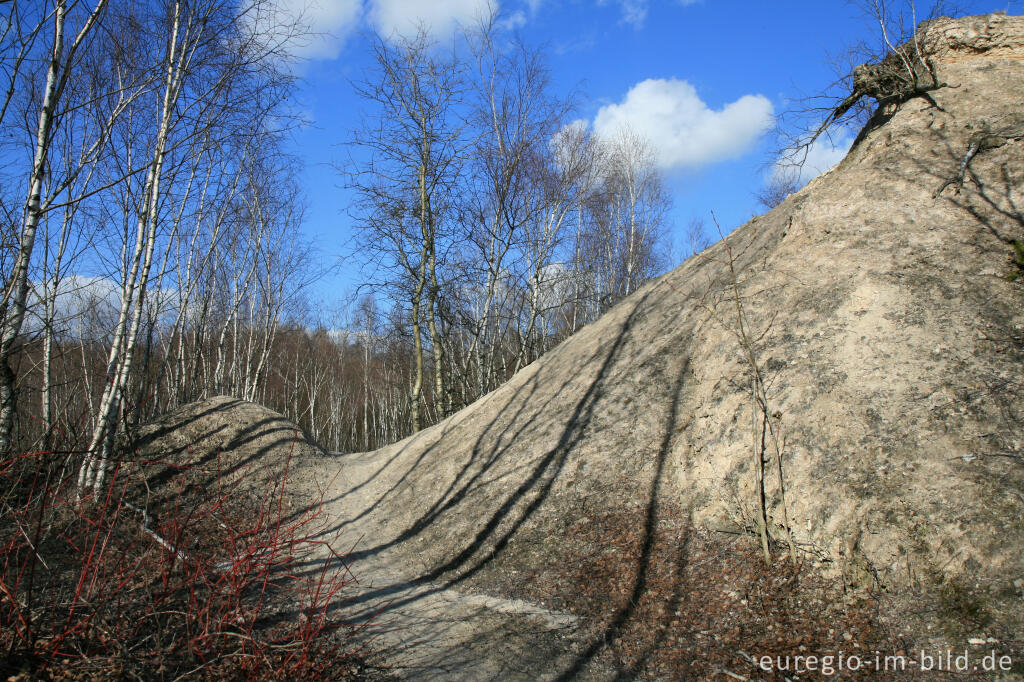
{"x": 577, "y": 125}
{"x": 515, "y": 20}
{"x": 682, "y": 129}
{"x": 325, "y": 25}
{"x": 822, "y": 156}
{"x": 634, "y": 12}
{"x": 87, "y": 307}
{"x": 439, "y": 17}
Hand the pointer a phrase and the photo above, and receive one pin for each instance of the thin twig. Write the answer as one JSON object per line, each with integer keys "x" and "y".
{"x": 153, "y": 534}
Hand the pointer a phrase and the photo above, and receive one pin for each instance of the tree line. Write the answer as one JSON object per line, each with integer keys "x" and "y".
{"x": 150, "y": 214}
{"x": 493, "y": 223}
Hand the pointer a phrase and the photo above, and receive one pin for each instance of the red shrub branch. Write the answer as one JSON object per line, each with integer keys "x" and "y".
{"x": 195, "y": 579}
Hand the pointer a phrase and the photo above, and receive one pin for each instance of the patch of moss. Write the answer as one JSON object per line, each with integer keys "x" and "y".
{"x": 1017, "y": 261}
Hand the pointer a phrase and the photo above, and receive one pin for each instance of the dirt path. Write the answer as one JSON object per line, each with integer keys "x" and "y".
{"x": 421, "y": 628}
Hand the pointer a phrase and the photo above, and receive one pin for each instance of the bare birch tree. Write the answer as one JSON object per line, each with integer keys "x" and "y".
{"x": 62, "y": 61}
{"x": 213, "y": 73}
{"x": 413, "y": 139}
{"x": 517, "y": 119}
{"x": 623, "y": 241}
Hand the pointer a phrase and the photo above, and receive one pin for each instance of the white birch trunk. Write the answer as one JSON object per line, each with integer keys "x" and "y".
{"x": 133, "y": 296}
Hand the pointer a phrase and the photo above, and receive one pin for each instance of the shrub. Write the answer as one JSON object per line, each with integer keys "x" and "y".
{"x": 204, "y": 582}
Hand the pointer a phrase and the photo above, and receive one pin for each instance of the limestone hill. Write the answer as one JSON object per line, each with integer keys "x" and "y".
{"x": 226, "y": 444}
{"x": 885, "y": 314}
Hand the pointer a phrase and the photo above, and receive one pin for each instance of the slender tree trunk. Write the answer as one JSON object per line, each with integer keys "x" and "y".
{"x": 415, "y": 395}
{"x": 122, "y": 351}
{"x": 51, "y": 289}
{"x": 14, "y": 297}
{"x": 441, "y": 398}
{"x": 366, "y": 389}
{"x": 16, "y": 288}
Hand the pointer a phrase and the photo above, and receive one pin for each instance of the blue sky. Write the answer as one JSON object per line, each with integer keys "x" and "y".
{"x": 704, "y": 79}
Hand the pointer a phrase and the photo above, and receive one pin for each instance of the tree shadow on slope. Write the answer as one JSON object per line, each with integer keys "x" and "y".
{"x": 515, "y": 507}
{"x": 662, "y": 598}
{"x": 219, "y": 446}
{"x": 651, "y": 526}
{"x": 657, "y": 595}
